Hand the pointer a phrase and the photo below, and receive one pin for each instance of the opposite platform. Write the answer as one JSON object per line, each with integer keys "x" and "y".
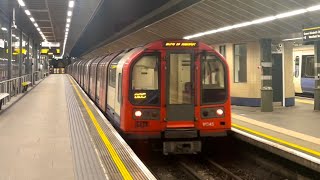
{"x": 291, "y": 132}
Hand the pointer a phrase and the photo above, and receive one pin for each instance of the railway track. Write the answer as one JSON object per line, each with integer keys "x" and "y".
{"x": 211, "y": 170}
{"x": 224, "y": 161}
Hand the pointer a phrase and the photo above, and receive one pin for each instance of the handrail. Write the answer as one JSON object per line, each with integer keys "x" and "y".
{"x": 14, "y": 86}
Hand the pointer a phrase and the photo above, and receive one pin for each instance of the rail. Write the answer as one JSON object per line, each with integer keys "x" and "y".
{"x": 14, "y": 86}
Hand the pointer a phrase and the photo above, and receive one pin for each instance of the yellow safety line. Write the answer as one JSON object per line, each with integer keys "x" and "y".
{"x": 304, "y": 101}
{"x": 317, "y": 153}
{"x": 115, "y": 157}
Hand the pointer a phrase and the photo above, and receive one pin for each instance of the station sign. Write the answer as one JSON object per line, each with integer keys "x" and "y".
{"x": 311, "y": 34}
{"x": 50, "y": 44}
{"x": 45, "y": 51}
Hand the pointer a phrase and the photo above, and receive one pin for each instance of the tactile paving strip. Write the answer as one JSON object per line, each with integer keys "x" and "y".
{"x": 87, "y": 164}
{"x": 127, "y": 156}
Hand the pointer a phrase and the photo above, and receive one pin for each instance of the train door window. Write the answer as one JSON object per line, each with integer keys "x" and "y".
{"x": 180, "y": 84}
{"x": 296, "y": 66}
{"x": 240, "y": 63}
{"x": 308, "y": 66}
{"x": 145, "y": 80}
{"x": 222, "y": 50}
{"x": 113, "y": 69}
{"x": 213, "y": 81}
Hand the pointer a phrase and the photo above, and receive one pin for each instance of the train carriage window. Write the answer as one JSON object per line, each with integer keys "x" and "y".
{"x": 296, "y": 67}
{"x": 119, "y": 88}
{"x": 213, "y": 81}
{"x": 145, "y": 80}
{"x": 308, "y": 66}
{"x": 113, "y": 69}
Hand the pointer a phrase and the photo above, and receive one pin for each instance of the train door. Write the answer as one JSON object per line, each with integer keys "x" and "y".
{"x": 277, "y": 83}
{"x": 179, "y": 86}
{"x": 307, "y": 73}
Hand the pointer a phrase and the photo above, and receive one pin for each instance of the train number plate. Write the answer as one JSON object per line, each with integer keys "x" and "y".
{"x": 208, "y": 124}
{"x": 142, "y": 124}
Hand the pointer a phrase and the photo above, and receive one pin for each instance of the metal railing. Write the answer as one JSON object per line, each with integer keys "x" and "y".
{"x": 14, "y": 86}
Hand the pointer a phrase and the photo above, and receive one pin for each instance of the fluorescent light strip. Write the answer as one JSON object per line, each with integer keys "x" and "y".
{"x": 68, "y": 22}
{"x": 292, "y": 39}
{"x": 257, "y": 21}
{"x": 28, "y": 13}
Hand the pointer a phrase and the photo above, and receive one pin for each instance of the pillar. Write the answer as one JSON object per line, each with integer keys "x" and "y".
{"x": 10, "y": 50}
{"x": 317, "y": 75}
{"x": 266, "y": 76}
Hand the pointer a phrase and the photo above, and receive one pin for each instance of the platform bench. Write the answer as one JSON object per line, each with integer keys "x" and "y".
{"x": 25, "y": 86}
{"x": 2, "y": 96}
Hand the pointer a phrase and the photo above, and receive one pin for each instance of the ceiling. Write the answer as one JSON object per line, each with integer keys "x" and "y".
{"x": 213, "y": 14}
{"x": 51, "y": 16}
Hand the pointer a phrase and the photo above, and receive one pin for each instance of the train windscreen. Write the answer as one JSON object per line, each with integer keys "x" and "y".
{"x": 213, "y": 80}
{"x": 145, "y": 80}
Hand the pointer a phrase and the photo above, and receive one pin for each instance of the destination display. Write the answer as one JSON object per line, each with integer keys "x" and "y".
{"x": 180, "y": 44}
{"x": 311, "y": 34}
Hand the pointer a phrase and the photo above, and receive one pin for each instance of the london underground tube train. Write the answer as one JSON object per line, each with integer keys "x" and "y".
{"x": 304, "y": 69}
{"x": 176, "y": 91}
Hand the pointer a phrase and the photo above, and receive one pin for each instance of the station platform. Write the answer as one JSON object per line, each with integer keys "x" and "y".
{"x": 56, "y": 132}
{"x": 291, "y": 132}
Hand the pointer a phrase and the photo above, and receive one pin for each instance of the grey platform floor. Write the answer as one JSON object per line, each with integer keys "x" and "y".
{"x": 34, "y": 135}
{"x": 298, "y": 125}
{"x": 48, "y": 134}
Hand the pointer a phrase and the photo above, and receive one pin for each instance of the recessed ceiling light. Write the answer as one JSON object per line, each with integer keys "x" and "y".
{"x": 4, "y": 29}
{"x": 32, "y": 19}
{"x": 71, "y": 4}
{"x": 68, "y": 20}
{"x": 67, "y": 25}
{"x": 36, "y": 25}
{"x": 27, "y": 12}
{"x": 21, "y": 3}
{"x": 69, "y": 13}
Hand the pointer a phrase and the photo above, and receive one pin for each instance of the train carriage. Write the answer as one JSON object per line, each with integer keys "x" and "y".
{"x": 303, "y": 68}
{"x": 173, "y": 90}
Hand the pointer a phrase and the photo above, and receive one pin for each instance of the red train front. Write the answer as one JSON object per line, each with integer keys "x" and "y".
{"x": 174, "y": 90}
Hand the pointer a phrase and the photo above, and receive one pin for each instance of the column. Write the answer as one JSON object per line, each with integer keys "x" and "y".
{"x": 317, "y": 75}
{"x": 10, "y": 50}
{"x": 266, "y": 76}
{"x": 21, "y": 56}
{"x": 288, "y": 85}
{"x": 28, "y": 57}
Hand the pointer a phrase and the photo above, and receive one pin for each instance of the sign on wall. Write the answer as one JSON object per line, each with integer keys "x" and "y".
{"x": 311, "y": 34}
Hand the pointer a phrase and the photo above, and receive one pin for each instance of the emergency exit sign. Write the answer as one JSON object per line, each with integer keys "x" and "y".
{"x": 311, "y": 34}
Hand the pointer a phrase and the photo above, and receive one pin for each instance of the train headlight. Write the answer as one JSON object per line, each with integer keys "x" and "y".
{"x": 212, "y": 112}
{"x": 219, "y": 112}
{"x": 138, "y": 113}
{"x": 146, "y": 114}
